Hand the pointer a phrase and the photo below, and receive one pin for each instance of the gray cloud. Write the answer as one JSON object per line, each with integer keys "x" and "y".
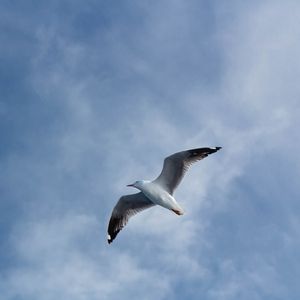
{"x": 113, "y": 102}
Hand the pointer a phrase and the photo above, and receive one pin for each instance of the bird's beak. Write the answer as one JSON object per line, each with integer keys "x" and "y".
{"x": 130, "y": 184}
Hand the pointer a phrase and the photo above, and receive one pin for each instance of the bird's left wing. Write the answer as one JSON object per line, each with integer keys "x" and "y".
{"x": 126, "y": 207}
{"x": 176, "y": 165}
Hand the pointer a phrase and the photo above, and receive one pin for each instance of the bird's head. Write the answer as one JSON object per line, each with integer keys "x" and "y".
{"x": 137, "y": 184}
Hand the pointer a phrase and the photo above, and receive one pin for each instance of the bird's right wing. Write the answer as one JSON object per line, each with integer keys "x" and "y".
{"x": 176, "y": 165}
{"x": 126, "y": 207}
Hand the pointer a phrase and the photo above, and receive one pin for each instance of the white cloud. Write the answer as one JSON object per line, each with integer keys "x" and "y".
{"x": 61, "y": 261}
{"x": 112, "y": 134}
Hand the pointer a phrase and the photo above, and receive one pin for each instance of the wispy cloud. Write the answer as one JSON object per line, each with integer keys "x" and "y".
{"x": 114, "y": 99}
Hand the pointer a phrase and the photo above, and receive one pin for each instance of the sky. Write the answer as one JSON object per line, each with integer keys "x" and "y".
{"x": 94, "y": 95}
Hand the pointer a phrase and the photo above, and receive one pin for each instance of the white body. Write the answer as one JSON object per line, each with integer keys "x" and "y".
{"x": 158, "y": 195}
{"x": 156, "y": 192}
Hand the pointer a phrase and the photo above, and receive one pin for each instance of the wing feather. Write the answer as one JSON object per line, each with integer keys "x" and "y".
{"x": 176, "y": 165}
{"x": 126, "y": 207}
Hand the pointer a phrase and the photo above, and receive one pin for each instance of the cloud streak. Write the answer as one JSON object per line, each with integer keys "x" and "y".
{"x": 106, "y": 101}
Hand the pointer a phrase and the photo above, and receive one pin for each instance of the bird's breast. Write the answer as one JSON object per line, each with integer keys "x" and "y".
{"x": 159, "y": 196}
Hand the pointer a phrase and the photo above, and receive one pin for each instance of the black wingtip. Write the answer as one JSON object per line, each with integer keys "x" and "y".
{"x": 203, "y": 151}
{"x": 109, "y": 239}
{"x": 213, "y": 149}
{"x": 112, "y": 231}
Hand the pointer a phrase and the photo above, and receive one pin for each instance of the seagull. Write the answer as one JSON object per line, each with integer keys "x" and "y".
{"x": 157, "y": 192}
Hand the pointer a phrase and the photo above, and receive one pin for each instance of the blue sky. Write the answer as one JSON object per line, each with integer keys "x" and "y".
{"x": 94, "y": 94}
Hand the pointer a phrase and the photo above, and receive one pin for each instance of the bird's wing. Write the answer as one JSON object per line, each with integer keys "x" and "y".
{"x": 176, "y": 165}
{"x": 126, "y": 207}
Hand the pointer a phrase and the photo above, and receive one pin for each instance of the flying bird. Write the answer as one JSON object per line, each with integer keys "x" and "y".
{"x": 157, "y": 192}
